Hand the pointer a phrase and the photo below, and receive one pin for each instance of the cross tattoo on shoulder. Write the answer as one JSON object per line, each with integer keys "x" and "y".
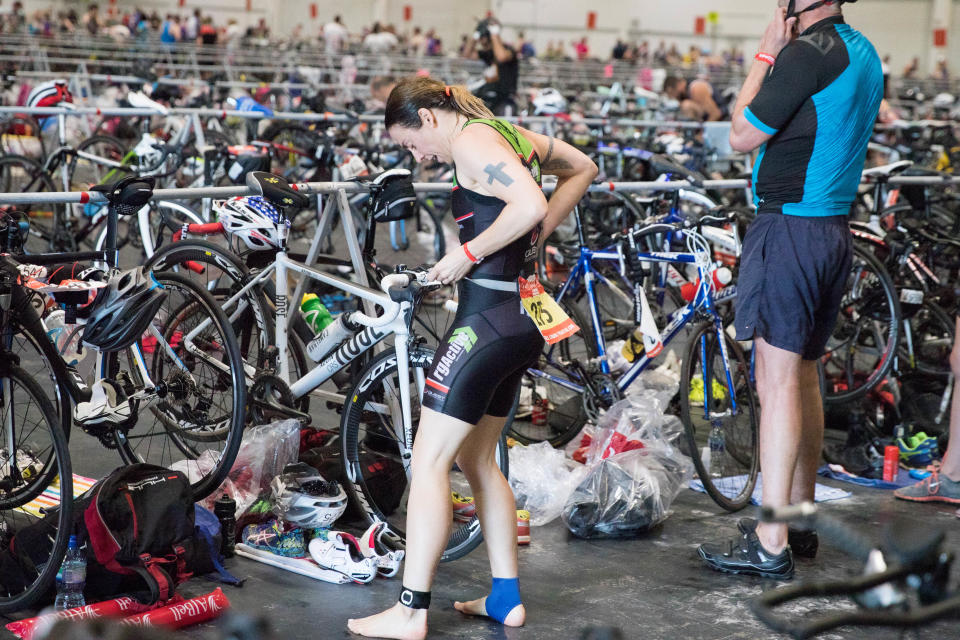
{"x": 497, "y": 173}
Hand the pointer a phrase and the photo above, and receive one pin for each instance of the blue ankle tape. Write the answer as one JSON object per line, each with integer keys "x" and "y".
{"x": 504, "y": 596}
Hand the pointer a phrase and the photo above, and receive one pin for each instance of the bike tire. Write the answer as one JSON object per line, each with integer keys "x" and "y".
{"x": 363, "y": 433}
{"x": 745, "y": 452}
{"x": 19, "y": 174}
{"x": 177, "y": 419}
{"x": 566, "y": 412}
{"x": 13, "y": 519}
{"x": 870, "y": 311}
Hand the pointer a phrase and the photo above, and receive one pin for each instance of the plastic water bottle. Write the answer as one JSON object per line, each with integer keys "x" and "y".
{"x": 717, "y": 447}
{"x": 71, "y": 578}
{"x": 315, "y": 313}
{"x": 331, "y": 337}
{"x": 225, "y": 508}
{"x": 64, "y": 336}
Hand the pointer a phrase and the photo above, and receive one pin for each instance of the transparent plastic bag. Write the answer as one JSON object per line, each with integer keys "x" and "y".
{"x": 627, "y": 493}
{"x": 542, "y": 479}
{"x": 264, "y": 452}
{"x": 634, "y": 470}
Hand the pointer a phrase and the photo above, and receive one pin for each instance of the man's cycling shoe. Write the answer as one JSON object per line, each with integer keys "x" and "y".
{"x": 745, "y": 555}
{"x": 803, "y": 542}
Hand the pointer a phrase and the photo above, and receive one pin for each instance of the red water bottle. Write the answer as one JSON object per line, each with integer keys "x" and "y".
{"x": 538, "y": 412}
{"x": 721, "y": 278}
{"x": 891, "y": 463}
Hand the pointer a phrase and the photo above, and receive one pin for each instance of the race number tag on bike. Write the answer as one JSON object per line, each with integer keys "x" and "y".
{"x": 553, "y": 323}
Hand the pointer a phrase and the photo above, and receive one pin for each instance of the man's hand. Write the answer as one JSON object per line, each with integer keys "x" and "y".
{"x": 452, "y": 267}
{"x": 779, "y": 33}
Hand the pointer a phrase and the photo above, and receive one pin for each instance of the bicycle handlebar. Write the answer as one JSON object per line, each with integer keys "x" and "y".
{"x": 397, "y": 286}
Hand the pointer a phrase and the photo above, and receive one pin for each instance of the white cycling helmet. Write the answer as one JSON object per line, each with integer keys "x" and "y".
{"x": 49, "y": 94}
{"x": 943, "y": 100}
{"x": 313, "y": 502}
{"x": 549, "y": 101}
{"x": 251, "y": 219}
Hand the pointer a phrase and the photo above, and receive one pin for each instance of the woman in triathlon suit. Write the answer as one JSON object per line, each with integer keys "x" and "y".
{"x": 502, "y": 214}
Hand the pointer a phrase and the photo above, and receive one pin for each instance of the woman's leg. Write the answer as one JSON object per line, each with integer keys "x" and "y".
{"x": 498, "y": 516}
{"x": 951, "y": 457}
{"x": 429, "y": 512}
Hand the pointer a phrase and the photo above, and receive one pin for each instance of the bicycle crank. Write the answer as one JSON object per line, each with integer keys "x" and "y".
{"x": 270, "y": 398}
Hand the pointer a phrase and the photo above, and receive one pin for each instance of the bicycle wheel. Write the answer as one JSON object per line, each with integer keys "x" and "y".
{"x": 708, "y": 402}
{"x": 33, "y": 455}
{"x": 863, "y": 344}
{"x": 373, "y": 452}
{"x": 548, "y": 410}
{"x": 926, "y": 348}
{"x": 22, "y": 175}
{"x": 197, "y": 415}
{"x": 222, "y": 273}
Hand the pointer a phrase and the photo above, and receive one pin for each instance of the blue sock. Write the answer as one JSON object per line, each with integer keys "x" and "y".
{"x": 504, "y": 597}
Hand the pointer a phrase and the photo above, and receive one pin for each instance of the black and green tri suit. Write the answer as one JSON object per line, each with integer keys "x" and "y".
{"x": 481, "y": 360}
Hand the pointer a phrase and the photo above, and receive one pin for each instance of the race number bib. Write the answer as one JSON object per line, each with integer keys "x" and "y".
{"x": 552, "y": 322}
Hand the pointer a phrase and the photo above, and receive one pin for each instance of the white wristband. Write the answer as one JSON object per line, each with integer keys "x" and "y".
{"x": 494, "y": 29}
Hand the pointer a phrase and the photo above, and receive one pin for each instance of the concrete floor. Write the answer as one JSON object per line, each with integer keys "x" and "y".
{"x": 652, "y": 587}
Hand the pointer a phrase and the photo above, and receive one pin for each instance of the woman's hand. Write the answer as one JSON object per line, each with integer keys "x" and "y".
{"x": 452, "y": 267}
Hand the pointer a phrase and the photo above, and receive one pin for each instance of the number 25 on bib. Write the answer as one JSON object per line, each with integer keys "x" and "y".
{"x": 553, "y": 323}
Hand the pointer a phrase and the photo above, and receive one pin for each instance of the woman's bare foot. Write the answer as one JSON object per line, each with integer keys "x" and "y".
{"x": 398, "y": 622}
{"x": 516, "y": 617}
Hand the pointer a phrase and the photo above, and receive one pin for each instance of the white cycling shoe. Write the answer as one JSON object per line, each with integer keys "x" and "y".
{"x": 340, "y": 552}
{"x": 108, "y": 404}
{"x": 388, "y": 562}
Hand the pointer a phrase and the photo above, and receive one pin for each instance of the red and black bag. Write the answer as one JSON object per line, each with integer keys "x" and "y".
{"x": 139, "y": 523}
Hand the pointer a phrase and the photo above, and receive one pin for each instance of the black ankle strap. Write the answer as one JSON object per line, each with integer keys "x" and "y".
{"x": 415, "y": 599}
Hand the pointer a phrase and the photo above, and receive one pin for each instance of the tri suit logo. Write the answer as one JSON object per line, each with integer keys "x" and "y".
{"x": 461, "y": 341}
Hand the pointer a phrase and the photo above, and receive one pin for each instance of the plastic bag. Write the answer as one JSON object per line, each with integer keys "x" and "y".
{"x": 264, "y": 452}
{"x": 634, "y": 470}
{"x": 627, "y": 494}
{"x": 542, "y": 479}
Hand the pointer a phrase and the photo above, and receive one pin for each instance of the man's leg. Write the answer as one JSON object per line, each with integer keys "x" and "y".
{"x": 781, "y": 428}
{"x": 811, "y": 439}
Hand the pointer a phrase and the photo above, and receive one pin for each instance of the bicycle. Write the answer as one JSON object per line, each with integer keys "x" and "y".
{"x": 722, "y": 414}
{"x": 379, "y": 425}
{"x": 33, "y": 455}
{"x": 905, "y": 581}
{"x": 192, "y": 384}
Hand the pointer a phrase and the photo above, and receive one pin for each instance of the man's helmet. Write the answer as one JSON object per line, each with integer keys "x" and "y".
{"x": 549, "y": 101}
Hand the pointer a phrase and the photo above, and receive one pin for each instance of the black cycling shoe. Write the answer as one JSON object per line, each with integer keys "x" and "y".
{"x": 803, "y": 542}
{"x": 745, "y": 555}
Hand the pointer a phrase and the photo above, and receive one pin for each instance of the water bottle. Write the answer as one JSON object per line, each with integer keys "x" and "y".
{"x": 225, "y": 508}
{"x": 331, "y": 337}
{"x": 717, "y": 448}
{"x": 633, "y": 346}
{"x": 315, "y": 313}
{"x": 721, "y": 278}
{"x": 71, "y": 578}
{"x": 60, "y": 334}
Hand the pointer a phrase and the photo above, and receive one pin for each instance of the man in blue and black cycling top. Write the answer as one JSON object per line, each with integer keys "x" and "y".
{"x": 809, "y": 103}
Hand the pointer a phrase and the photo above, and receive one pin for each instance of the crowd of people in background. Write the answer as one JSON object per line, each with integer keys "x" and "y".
{"x": 335, "y": 37}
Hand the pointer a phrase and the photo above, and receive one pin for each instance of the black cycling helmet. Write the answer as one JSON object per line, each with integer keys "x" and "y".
{"x": 792, "y": 12}
{"x": 123, "y": 310}
{"x": 393, "y": 197}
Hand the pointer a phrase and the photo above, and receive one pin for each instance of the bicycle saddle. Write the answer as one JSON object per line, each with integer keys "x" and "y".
{"x": 276, "y": 190}
{"x": 906, "y": 544}
{"x": 887, "y": 170}
{"x": 661, "y": 164}
{"x": 132, "y": 191}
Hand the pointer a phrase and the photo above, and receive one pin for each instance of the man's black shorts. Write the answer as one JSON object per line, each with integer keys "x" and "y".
{"x": 793, "y": 273}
